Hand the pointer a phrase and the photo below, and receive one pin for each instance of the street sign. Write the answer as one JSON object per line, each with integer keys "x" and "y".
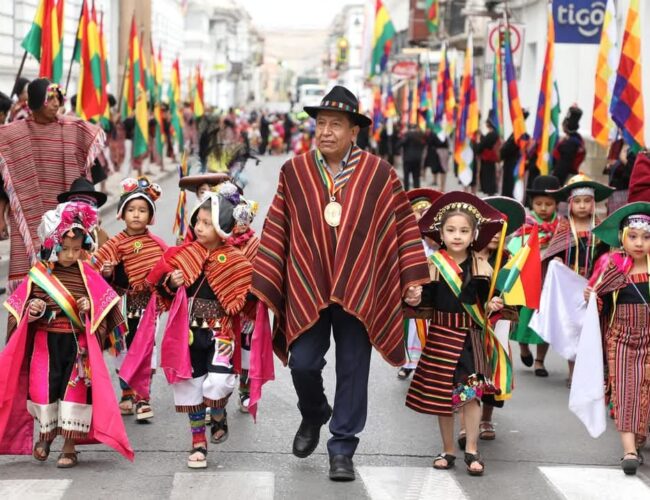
{"x": 516, "y": 41}
{"x": 405, "y": 69}
{"x": 578, "y": 21}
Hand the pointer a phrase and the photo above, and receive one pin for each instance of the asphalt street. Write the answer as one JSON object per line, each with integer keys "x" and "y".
{"x": 542, "y": 451}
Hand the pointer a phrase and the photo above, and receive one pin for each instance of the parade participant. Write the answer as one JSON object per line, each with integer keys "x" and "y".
{"x": 31, "y": 162}
{"x": 20, "y": 110}
{"x": 488, "y": 149}
{"x": 415, "y": 328}
{"x": 413, "y": 149}
{"x": 124, "y": 261}
{"x": 619, "y": 171}
{"x": 339, "y": 251}
{"x": 61, "y": 317}
{"x": 82, "y": 191}
{"x": 569, "y": 152}
{"x": 510, "y": 154}
{"x": 454, "y": 372}
{"x": 202, "y": 184}
{"x": 436, "y": 158}
{"x": 640, "y": 179}
{"x": 623, "y": 297}
{"x": 543, "y": 198}
{"x": 5, "y": 106}
{"x": 201, "y": 361}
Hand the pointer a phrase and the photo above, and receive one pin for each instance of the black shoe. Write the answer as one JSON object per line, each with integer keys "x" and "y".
{"x": 341, "y": 468}
{"x": 308, "y": 435}
{"x": 3, "y": 290}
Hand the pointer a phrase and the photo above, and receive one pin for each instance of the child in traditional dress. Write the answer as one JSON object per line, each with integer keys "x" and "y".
{"x": 454, "y": 371}
{"x": 573, "y": 242}
{"x": 60, "y": 319}
{"x": 201, "y": 361}
{"x": 83, "y": 191}
{"x": 543, "y": 196}
{"x": 415, "y": 328}
{"x": 621, "y": 284}
{"x": 124, "y": 261}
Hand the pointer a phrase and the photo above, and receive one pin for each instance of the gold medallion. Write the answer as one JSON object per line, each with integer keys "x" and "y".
{"x": 333, "y": 212}
{"x": 137, "y": 246}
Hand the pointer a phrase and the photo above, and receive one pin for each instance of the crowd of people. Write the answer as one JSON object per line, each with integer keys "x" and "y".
{"x": 420, "y": 285}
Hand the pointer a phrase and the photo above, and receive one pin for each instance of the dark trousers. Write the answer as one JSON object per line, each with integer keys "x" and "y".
{"x": 411, "y": 168}
{"x": 307, "y": 360}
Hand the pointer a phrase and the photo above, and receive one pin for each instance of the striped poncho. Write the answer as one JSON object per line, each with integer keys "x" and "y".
{"x": 38, "y": 162}
{"x": 366, "y": 264}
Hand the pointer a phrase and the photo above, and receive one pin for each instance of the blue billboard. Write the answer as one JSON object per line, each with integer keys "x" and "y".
{"x": 578, "y": 21}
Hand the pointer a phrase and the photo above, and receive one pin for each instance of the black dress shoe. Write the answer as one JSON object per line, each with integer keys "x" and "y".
{"x": 341, "y": 468}
{"x": 308, "y": 435}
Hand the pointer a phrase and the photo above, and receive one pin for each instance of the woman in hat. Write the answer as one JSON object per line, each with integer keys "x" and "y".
{"x": 415, "y": 328}
{"x": 454, "y": 371}
{"x": 206, "y": 284}
{"x": 61, "y": 317}
{"x": 623, "y": 290}
{"x": 569, "y": 152}
{"x": 543, "y": 199}
{"x": 124, "y": 261}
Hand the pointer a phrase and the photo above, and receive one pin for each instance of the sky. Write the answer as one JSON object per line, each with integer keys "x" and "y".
{"x": 294, "y": 14}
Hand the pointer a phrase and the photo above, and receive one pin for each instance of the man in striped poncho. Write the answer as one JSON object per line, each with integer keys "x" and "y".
{"x": 39, "y": 158}
{"x": 340, "y": 250}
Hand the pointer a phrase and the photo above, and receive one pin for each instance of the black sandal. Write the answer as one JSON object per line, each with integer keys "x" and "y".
{"x": 451, "y": 459}
{"x": 72, "y": 456}
{"x": 527, "y": 360}
{"x": 541, "y": 372}
{"x": 403, "y": 373}
{"x": 471, "y": 458}
{"x": 219, "y": 425}
{"x": 630, "y": 465}
{"x": 462, "y": 439}
{"x": 198, "y": 464}
{"x": 44, "y": 446}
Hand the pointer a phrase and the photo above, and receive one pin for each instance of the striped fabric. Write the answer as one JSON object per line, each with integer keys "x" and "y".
{"x": 122, "y": 248}
{"x": 249, "y": 248}
{"x": 628, "y": 356}
{"x": 431, "y": 389}
{"x": 365, "y": 264}
{"x": 229, "y": 277}
{"x": 37, "y": 162}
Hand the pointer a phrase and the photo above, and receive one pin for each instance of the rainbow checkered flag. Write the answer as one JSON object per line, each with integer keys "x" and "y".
{"x": 627, "y": 100}
{"x": 602, "y": 126}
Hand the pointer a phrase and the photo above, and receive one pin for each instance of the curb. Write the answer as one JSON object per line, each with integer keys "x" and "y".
{"x": 104, "y": 212}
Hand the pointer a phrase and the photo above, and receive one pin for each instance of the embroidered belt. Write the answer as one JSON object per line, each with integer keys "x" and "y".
{"x": 204, "y": 309}
{"x": 452, "y": 320}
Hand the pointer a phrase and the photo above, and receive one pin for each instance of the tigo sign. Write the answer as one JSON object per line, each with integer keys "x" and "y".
{"x": 578, "y": 21}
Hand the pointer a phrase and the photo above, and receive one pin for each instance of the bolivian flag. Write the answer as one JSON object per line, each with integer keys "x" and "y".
{"x": 520, "y": 280}
{"x": 45, "y": 39}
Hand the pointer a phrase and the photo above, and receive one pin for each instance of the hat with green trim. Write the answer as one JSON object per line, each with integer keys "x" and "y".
{"x": 513, "y": 210}
{"x": 583, "y": 185}
{"x": 634, "y": 215}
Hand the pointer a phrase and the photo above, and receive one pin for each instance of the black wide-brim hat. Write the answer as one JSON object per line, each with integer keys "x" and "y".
{"x": 342, "y": 100}
{"x": 192, "y": 182}
{"x": 488, "y": 219}
{"x": 601, "y": 192}
{"x": 514, "y": 211}
{"x": 82, "y": 187}
{"x": 545, "y": 185}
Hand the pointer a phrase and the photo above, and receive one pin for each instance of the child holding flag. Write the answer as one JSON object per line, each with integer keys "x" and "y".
{"x": 455, "y": 370}
{"x": 543, "y": 196}
{"x": 124, "y": 261}
{"x": 60, "y": 320}
{"x": 621, "y": 283}
{"x": 201, "y": 361}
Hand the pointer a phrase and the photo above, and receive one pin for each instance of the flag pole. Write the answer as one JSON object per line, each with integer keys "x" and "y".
{"x": 20, "y": 72}
{"x": 76, "y": 43}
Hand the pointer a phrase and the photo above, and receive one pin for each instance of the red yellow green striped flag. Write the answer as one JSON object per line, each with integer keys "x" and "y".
{"x": 44, "y": 40}
{"x": 105, "y": 77}
{"x": 89, "y": 98}
{"x": 174, "y": 95}
{"x": 156, "y": 97}
{"x": 432, "y": 12}
{"x": 520, "y": 280}
{"x": 197, "y": 104}
{"x": 382, "y": 39}
{"x": 137, "y": 96}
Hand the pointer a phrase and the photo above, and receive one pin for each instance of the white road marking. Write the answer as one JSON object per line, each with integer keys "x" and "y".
{"x": 33, "y": 489}
{"x": 595, "y": 483}
{"x": 409, "y": 483}
{"x": 224, "y": 485}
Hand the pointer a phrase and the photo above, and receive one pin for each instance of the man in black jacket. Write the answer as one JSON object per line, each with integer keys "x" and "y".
{"x": 412, "y": 146}
{"x": 510, "y": 155}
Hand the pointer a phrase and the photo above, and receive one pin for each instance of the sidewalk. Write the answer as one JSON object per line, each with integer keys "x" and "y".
{"x": 113, "y": 192}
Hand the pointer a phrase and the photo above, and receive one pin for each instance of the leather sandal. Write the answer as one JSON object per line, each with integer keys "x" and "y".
{"x": 527, "y": 360}
{"x": 127, "y": 406}
{"x": 630, "y": 465}
{"x": 462, "y": 439}
{"x": 404, "y": 373}
{"x": 486, "y": 431}
{"x": 471, "y": 458}
{"x": 541, "y": 372}
{"x": 450, "y": 459}
{"x": 219, "y": 425}
{"x": 73, "y": 456}
{"x": 201, "y": 463}
{"x": 44, "y": 447}
{"x": 143, "y": 412}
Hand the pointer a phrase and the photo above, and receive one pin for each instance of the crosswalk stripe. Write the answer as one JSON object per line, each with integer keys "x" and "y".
{"x": 409, "y": 483}
{"x": 595, "y": 483}
{"x": 225, "y": 485}
{"x": 34, "y": 489}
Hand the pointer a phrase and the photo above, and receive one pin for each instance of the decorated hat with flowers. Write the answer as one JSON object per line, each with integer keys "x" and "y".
{"x": 62, "y": 221}
{"x": 132, "y": 189}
